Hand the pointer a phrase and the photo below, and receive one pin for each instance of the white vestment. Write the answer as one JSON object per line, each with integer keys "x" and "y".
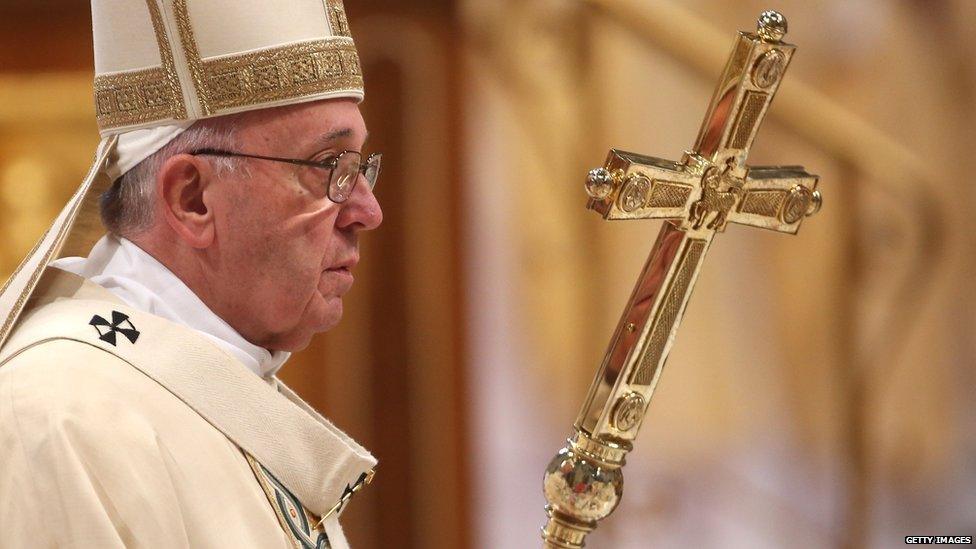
{"x": 119, "y": 428}
{"x": 144, "y": 283}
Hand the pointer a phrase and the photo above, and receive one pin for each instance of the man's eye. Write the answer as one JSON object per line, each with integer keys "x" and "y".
{"x": 325, "y": 159}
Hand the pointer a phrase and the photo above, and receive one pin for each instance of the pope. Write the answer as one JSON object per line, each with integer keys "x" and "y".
{"x": 139, "y": 405}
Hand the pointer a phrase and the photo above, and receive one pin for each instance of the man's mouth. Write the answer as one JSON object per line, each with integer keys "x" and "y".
{"x": 343, "y": 274}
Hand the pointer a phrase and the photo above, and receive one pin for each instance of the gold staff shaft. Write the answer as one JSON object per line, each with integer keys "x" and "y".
{"x": 639, "y": 346}
{"x": 644, "y": 335}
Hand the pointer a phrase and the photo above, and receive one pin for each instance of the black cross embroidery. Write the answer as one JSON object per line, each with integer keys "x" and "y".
{"x": 116, "y": 326}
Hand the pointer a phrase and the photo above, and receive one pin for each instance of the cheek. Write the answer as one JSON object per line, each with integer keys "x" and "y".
{"x": 298, "y": 250}
{"x": 311, "y": 238}
{"x": 276, "y": 248}
{"x": 278, "y": 228}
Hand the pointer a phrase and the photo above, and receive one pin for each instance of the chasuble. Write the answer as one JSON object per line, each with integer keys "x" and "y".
{"x": 122, "y": 429}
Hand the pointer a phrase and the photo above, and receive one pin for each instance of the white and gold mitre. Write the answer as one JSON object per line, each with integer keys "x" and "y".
{"x": 167, "y": 61}
{"x": 160, "y": 65}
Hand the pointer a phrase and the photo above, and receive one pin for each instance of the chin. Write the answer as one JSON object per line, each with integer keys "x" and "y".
{"x": 315, "y": 321}
{"x": 328, "y": 316}
{"x": 293, "y": 341}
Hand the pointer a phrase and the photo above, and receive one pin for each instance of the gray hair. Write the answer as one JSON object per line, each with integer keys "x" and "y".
{"x": 127, "y": 206}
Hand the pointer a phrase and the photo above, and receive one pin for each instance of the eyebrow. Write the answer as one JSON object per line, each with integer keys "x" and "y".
{"x": 337, "y": 134}
{"x": 341, "y": 133}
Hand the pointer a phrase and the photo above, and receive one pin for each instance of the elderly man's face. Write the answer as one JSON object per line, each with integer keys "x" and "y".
{"x": 286, "y": 253}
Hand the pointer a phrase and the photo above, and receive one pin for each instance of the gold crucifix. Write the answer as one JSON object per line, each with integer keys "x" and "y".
{"x": 698, "y": 196}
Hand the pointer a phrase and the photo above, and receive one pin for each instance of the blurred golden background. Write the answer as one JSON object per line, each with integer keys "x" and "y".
{"x": 821, "y": 390}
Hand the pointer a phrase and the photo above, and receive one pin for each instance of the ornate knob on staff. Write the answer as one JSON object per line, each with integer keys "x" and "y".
{"x": 583, "y": 485}
{"x": 771, "y": 26}
{"x": 710, "y": 187}
{"x": 599, "y": 183}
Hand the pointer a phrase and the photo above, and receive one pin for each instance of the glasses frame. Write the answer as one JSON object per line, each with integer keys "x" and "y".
{"x": 330, "y": 163}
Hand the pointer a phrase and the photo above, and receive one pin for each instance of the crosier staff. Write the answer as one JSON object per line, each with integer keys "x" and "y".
{"x": 698, "y": 196}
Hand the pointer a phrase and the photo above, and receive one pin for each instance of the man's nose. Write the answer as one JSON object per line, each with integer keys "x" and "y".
{"x": 361, "y": 210}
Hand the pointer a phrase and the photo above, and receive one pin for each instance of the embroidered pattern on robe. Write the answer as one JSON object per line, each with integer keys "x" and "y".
{"x": 295, "y": 520}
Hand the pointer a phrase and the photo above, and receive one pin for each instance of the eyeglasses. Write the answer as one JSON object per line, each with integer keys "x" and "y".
{"x": 344, "y": 169}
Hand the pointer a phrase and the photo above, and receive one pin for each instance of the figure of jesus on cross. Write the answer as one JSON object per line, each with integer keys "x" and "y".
{"x": 708, "y": 188}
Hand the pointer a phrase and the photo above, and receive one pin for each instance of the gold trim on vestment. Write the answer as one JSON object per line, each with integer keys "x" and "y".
{"x": 261, "y": 474}
{"x": 135, "y": 97}
{"x": 338, "y": 22}
{"x": 223, "y": 83}
{"x": 282, "y": 73}
{"x": 69, "y": 221}
{"x": 166, "y": 55}
{"x": 191, "y": 52}
{"x": 19, "y": 304}
{"x": 146, "y": 95}
{"x": 270, "y": 75}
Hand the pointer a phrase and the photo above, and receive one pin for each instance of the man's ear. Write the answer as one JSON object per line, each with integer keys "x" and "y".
{"x": 181, "y": 185}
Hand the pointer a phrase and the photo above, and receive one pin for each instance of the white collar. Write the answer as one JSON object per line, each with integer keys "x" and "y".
{"x": 144, "y": 283}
